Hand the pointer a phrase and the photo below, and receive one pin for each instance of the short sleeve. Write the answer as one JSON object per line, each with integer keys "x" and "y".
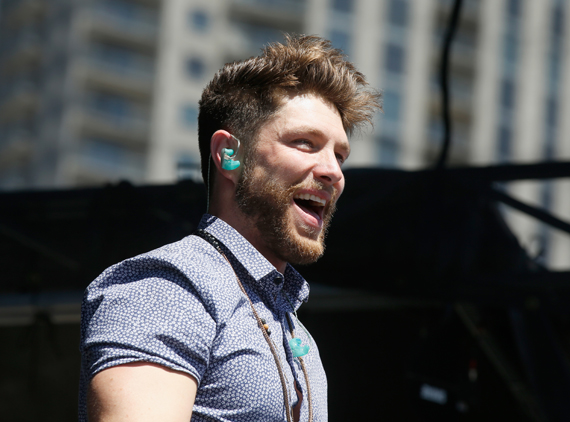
{"x": 145, "y": 311}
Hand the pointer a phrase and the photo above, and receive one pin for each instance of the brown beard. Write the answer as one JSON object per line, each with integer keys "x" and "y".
{"x": 268, "y": 202}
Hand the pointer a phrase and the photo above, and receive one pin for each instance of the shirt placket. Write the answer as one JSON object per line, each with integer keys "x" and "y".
{"x": 275, "y": 316}
{"x": 293, "y": 364}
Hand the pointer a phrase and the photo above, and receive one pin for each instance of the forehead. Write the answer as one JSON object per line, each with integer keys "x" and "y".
{"x": 307, "y": 114}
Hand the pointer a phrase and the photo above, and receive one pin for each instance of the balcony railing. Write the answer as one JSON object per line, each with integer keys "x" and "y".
{"x": 135, "y": 21}
{"x": 121, "y": 124}
{"x": 283, "y": 15}
{"x": 126, "y": 64}
{"x": 20, "y": 86}
{"x": 249, "y": 38}
{"x": 135, "y": 123}
{"x": 112, "y": 158}
{"x": 22, "y": 40}
{"x": 291, "y": 6}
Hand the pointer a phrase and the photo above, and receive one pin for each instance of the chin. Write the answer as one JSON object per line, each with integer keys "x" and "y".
{"x": 302, "y": 248}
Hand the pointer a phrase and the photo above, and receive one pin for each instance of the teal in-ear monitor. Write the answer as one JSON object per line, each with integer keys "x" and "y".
{"x": 298, "y": 349}
{"x": 228, "y": 161}
{"x": 228, "y": 157}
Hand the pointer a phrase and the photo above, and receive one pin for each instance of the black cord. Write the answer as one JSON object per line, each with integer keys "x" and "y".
{"x": 444, "y": 80}
{"x": 212, "y": 240}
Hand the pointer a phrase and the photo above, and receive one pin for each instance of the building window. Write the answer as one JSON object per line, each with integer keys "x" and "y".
{"x": 555, "y": 65}
{"x": 188, "y": 167}
{"x": 551, "y": 111}
{"x": 345, "y": 6}
{"x": 514, "y": 8}
{"x": 511, "y": 47}
{"x": 508, "y": 94}
{"x": 199, "y": 20}
{"x": 435, "y": 131}
{"x": 195, "y": 68}
{"x": 398, "y": 12}
{"x": 116, "y": 55}
{"x": 104, "y": 151}
{"x": 124, "y": 9}
{"x": 558, "y": 20}
{"x": 340, "y": 40}
{"x": 258, "y": 35}
{"x": 547, "y": 194}
{"x": 111, "y": 104}
{"x": 120, "y": 59}
{"x": 190, "y": 116}
{"x": 549, "y": 150}
{"x": 388, "y": 149}
{"x": 391, "y": 105}
{"x": 394, "y": 58}
{"x": 504, "y": 144}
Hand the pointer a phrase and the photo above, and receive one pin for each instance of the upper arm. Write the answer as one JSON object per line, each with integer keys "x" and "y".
{"x": 141, "y": 391}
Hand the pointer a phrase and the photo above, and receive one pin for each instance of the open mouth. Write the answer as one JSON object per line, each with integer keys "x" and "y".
{"x": 311, "y": 204}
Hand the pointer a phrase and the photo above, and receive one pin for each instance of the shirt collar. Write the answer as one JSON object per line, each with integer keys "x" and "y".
{"x": 267, "y": 280}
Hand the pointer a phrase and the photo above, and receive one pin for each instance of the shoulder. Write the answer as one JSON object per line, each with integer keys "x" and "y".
{"x": 153, "y": 308}
{"x": 187, "y": 273}
{"x": 179, "y": 263}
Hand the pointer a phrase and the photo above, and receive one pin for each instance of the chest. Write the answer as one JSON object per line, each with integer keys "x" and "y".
{"x": 245, "y": 374}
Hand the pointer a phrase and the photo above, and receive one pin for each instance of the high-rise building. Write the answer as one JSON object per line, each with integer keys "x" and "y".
{"x": 101, "y": 90}
{"x": 77, "y": 87}
{"x": 197, "y": 38}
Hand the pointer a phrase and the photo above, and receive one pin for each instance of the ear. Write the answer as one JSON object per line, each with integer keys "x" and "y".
{"x": 221, "y": 140}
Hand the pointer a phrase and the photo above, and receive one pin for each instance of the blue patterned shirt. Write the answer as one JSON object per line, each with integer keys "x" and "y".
{"x": 180, "y": 306}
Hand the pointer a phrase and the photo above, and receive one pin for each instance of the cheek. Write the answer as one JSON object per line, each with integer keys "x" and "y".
{"x": 340, "y": 188}
{"x": 274, "y": 164}
{"x": 290, "y": 169}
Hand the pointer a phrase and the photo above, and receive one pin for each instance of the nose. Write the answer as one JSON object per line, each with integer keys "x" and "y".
{"x": 328, "y": 170}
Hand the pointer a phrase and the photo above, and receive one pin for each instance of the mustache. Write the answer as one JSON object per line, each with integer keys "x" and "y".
{"x": 313, "y": 184}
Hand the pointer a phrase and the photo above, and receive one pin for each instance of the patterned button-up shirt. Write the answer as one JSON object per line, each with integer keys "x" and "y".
{"x": 180, "y": 306}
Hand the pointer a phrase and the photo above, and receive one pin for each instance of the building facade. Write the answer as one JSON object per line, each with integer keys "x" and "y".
{"x": 95, "y": 91}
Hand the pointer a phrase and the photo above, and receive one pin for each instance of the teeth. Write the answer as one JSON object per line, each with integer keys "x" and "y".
{"x": 309, "y": 197}
{"x": 317, "y": 199}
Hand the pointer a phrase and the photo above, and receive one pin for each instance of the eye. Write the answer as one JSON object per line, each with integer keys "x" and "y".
{"x": 304, "y": 143}
{"x": 341, "y": 159}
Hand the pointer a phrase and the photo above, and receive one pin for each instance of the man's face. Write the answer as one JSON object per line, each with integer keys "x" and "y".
{"x": 293, "y": 178}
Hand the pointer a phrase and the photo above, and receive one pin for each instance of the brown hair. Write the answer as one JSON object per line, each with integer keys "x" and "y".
{"x": 244, "y": 95}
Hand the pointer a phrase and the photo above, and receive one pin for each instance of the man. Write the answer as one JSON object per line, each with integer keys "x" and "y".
{"x": 205, "y": 328}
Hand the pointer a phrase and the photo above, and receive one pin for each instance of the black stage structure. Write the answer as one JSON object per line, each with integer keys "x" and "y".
{"x": 424, "y": 306}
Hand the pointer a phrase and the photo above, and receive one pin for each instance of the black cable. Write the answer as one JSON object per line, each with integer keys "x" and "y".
{"x": 444, "y": 80}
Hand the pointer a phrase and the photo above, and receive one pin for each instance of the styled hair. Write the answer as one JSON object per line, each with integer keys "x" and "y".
{"x": 244, "y": 95}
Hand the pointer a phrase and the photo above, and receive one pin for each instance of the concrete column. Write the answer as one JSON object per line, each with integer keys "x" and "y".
{"x": 486, "y": 99}
{"x": 368, "y": 32}
{"x": 417, "y": 84}
{"x": 530, "y": 112}
{"x": 159, "y": 162}
{"x": 316, "y": 17}
{"x": 560, "y": 241}
{"x": 172, "y": 89}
